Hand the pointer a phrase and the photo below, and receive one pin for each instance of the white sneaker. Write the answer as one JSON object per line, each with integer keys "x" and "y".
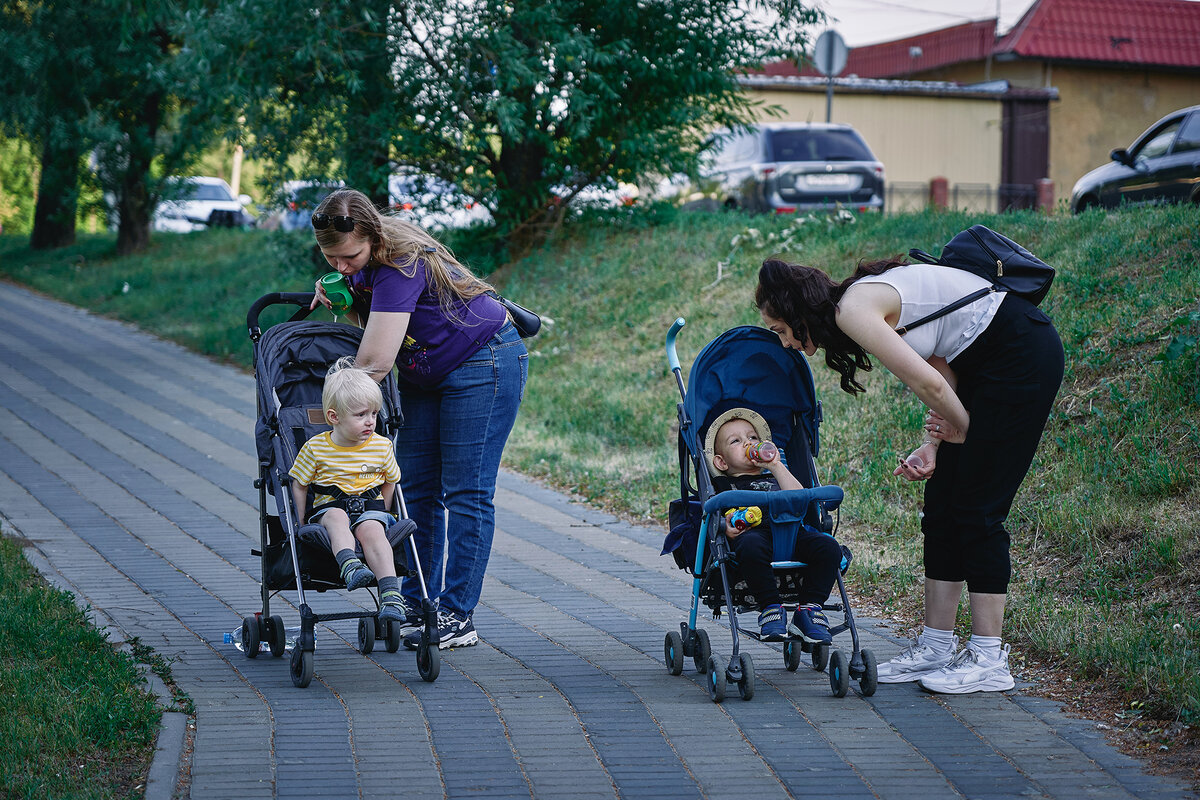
{"x": 914, "y": 662}
{"x": 971, "y": 671}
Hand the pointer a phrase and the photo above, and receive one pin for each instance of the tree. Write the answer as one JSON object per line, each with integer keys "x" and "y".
{"x": 117, "y": 100}
{"x": 42, "y": 46}
{"x": 523, "y": 103}
{"x": 527, "y": 101}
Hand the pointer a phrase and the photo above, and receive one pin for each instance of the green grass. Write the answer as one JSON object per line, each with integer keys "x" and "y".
{"x": 76, "y": 721}
{"x": 1105, "y": 552}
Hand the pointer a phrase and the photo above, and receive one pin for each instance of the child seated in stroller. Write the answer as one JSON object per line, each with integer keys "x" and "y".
{"x": 734, "y": 464}
{"x": 353, "y": 472}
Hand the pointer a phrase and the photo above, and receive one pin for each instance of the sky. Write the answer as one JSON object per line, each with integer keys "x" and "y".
{"x": 862, "y": 22}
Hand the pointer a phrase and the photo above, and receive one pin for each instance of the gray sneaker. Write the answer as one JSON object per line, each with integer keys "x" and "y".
{"x": 914, "y": 662}
{"x": 971, "y": 671}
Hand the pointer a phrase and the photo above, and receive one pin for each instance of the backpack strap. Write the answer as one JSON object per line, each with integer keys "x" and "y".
{"x": 941, "y": 312}
{"x": 922, "y": 256}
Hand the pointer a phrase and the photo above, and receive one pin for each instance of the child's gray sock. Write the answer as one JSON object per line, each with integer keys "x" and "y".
{"x": 389, "y": 584}
{"x": 343, "y": 556}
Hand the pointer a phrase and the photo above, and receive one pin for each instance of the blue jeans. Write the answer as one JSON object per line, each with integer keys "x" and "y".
{"x": 449, "y": 454}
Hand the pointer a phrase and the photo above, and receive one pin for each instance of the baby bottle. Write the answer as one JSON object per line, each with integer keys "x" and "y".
{"x": 761, "y": 451}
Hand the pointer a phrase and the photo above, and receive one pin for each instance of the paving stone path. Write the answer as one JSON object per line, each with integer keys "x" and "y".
{"x": 126, "y": 465}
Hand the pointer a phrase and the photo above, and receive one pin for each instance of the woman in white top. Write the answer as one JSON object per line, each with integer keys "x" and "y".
{"x": 988, "y": 372}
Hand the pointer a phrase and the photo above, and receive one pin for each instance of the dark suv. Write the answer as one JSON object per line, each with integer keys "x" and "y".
{"x": 1161, "y": 166}
{"x": 786, "y": 167}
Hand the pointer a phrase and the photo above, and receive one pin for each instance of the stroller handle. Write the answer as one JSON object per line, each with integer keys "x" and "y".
{"x": 302, "y": 299}
{"x": 672, "y": 356}
{"x": 794, "y": 501}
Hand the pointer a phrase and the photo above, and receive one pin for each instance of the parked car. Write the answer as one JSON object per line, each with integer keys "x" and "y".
{"x": 597, "y": 195}
{"x": 787, "y": 167}
{"x": 1161, "y": 166}
{"x": 434, "y": 203}
{"x": 196, "y": 203}
{"x": 301, "y": 197}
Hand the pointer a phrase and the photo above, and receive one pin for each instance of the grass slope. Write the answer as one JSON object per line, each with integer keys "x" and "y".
{"x": 1105, "y": 552}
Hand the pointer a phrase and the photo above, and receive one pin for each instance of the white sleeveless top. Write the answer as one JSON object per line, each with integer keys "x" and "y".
{"x": 926, "y": 288}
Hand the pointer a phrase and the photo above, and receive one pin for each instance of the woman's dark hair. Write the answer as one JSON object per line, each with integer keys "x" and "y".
{"x": 806, "y": 299}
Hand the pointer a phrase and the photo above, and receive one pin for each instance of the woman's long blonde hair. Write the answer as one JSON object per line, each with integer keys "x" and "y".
{"x": 398, "y": 243}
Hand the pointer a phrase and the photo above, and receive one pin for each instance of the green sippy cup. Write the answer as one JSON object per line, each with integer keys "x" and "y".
{"x": 337, "y": 290}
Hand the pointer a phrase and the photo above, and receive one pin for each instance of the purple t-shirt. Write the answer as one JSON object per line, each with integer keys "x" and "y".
{"x": 433, "y": 345}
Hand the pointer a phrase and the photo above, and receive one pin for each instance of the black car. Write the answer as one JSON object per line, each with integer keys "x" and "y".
{"x": 790, "y": 167}
{"x": 1161, "y": 166}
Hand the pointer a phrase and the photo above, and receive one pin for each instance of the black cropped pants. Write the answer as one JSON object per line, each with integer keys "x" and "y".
{"x": 1007, "y": 380}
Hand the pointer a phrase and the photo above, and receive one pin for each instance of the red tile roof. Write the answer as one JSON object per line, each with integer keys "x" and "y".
{"x": 969, "y": 42}
{"x": 1142, "y": 32}
{"x": 1152, "y": 32}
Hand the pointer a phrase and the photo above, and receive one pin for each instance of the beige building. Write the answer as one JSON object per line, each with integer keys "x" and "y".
{"x": 920, "y": 130}
{"x": 1109, "y": 70}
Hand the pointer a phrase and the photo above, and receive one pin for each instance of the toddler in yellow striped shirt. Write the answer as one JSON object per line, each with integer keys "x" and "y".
{"x": 352, "y": 473}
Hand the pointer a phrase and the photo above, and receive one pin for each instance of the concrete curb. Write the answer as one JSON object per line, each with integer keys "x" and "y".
{"x": 168, "y": 753}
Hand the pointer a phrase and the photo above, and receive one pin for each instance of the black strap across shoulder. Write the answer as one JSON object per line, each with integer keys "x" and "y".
{"x": 941, "y": 312}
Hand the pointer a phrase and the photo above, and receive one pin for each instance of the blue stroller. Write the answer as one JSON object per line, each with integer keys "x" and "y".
{"x": 748, "y": 365}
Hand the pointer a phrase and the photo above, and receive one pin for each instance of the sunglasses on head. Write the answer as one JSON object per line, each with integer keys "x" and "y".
{"x": 340, "y": 223}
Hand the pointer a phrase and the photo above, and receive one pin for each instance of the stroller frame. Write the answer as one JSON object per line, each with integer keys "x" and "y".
{"x": 795, "y": 506}
{"x": 299, "y": 538}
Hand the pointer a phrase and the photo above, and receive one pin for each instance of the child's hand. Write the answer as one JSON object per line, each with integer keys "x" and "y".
{"x": 730, "y": 531}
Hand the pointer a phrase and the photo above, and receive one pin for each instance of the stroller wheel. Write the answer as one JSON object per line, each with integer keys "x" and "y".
{"x": 428, "y": 661}
{"x": 302, "y": 667}
{"x": 746, "y": 684}
{"x": 276, "y": 635}
{"x": 716, "y": 678}
{"x": 251, "y": 639}
{"x": 673, "y": 652}
{"x": 820, "y": 657}
{"x": 702, "y": 651}
{"x": 391, "y": 635}
{"x": 869, "y": 681}
{"x": 791, "y": 656}
{"x": 366, "y": 635}
{"x": 839, "y": 674}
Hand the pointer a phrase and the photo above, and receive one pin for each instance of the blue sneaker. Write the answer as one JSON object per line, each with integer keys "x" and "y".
{"x": 394, "y": 609}
{"x": 770, "y": 624}
{"x": 356, "y": 574}
{"x": 810, "y": 624}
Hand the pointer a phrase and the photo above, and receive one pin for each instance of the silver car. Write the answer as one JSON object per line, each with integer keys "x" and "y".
{"x": 788, "y": 167}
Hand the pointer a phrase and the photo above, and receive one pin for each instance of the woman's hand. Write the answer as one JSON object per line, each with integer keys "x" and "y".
{"x": 320, "y": 299}
{"x": 920, "y": 464}
{"x": 938, "y": 428}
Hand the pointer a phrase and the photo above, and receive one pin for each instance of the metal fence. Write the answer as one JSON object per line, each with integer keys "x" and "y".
{"x": 907, "y": 197}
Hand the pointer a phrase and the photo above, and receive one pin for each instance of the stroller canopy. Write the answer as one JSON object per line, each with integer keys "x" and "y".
{"x": 747, "y": 366}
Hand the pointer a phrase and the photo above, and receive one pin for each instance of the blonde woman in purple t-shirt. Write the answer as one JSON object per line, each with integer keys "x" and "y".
{"x": 461, "y": 367}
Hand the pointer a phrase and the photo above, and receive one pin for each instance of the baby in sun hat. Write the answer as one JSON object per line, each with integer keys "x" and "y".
{"x": 733, "y": 462}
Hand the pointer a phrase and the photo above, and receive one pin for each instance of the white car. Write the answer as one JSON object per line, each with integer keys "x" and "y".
{"x": 433, "y": 203}
{"x": 193, "y": 204}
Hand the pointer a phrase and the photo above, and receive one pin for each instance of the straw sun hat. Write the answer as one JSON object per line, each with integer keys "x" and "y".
{"x": 710, "y": 436}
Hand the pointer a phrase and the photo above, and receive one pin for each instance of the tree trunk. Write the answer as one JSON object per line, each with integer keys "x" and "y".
{"x": 58, "y": 196}
{"x": 133, "y": 199}
{"x": 524, "y": 218}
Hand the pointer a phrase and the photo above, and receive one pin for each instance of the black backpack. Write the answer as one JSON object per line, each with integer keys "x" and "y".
{"x": 1008, "y": 266}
